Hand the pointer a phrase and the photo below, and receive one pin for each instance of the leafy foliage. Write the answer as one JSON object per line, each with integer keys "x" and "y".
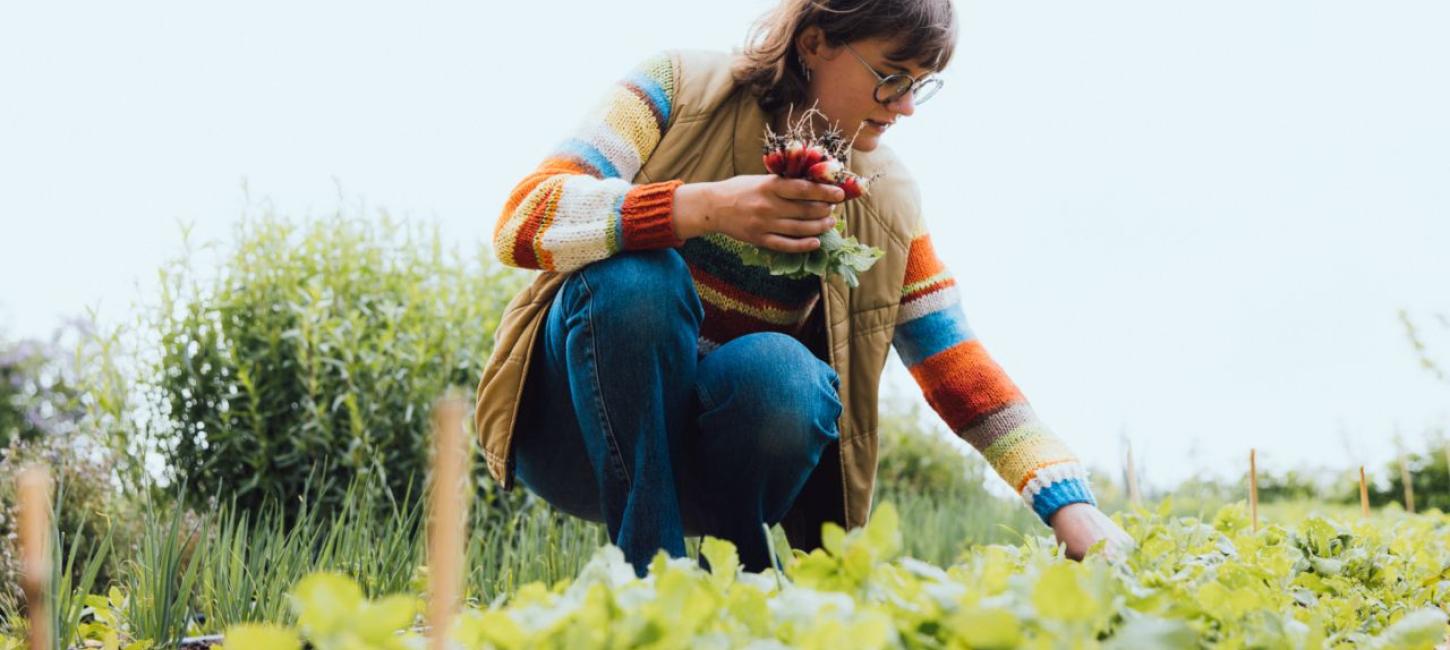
{"x": 42, "y": 420}
{"x": 1429, "y": 478}
{"x": 916, "y": 458}
{"x": 1376, "y": 583}
{"x": 939, "y": 485}
{"x": 316, "y": 349}
{"x": 1422, "y": 350}
{"x": 38, "y": 396}
{"x": 199, "y": 574}
{"x": 838, "y": 254}
{"x": 1191, "y": 584}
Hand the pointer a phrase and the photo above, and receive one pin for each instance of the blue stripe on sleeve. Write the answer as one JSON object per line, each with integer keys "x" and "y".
{"x": 1053, "y": 497}
{"x": 590, "y": 156}
{"x": 917, "y": 340}
{"x": 652, "y": 88}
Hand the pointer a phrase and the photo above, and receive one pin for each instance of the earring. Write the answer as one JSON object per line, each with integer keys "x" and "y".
{"x": 808, "y": 74}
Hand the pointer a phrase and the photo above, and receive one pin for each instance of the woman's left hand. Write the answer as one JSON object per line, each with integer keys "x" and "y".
{"x": 1080, "y": 525}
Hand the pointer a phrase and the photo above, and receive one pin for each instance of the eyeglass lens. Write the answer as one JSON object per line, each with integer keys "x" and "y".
{"x": 895, "y": 86}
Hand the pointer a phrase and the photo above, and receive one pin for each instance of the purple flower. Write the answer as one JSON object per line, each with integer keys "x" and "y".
{"x": 20, "y": 352}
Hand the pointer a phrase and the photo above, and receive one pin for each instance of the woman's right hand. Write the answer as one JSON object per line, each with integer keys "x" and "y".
{"x": 769, "y": 211}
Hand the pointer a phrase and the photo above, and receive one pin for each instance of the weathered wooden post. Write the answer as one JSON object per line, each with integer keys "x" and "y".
{"x": 449, "y": 511}
{"x": 1363, "y": 494}
{"x": 1447, "y": 462}
{"x": 1405, "y": 480}
{"x": 33, "y": 488}
{"x": 1135, "y": 497}
{"x": 1253, "y": 491}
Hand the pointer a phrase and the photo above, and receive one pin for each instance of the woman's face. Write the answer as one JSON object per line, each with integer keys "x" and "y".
{"x": 843, "y": 87}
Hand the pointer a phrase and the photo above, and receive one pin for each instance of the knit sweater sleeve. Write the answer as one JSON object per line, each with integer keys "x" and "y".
{"x": 579, "y": 205}
{"x": 971, "y": 392}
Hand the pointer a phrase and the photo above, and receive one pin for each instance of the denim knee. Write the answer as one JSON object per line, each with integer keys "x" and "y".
{"x": 782, "y": 402}
{"x": 645, "y": 289}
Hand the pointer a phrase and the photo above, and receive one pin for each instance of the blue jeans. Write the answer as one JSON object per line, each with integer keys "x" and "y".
{"x": 624, "y": 422}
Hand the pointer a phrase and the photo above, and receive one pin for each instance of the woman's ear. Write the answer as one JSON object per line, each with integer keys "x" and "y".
{"x": 811, "y": 46}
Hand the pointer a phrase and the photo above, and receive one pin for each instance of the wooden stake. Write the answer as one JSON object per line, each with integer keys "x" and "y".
{"x": 1134, "y": 496}
{"x": 33, "y": 488}
{"x": 1363, "y": 494}
{"x": 1253, "y": 490}
{"x": 448, "y": 513}
{"x": 1405, "y": 480}
{"x": 1447, "y": 458}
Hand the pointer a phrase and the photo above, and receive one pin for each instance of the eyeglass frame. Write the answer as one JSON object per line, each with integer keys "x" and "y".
{"x": 916, "y": 84}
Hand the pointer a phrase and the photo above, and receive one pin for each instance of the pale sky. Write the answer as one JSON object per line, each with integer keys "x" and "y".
{"x": 1190, "y": 222}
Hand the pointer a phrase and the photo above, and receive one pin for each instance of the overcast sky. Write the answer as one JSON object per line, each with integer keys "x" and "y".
{"x": 1193, "y": 223}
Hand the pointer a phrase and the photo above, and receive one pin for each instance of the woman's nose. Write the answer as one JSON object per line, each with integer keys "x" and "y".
{"x": 904, "y": 105}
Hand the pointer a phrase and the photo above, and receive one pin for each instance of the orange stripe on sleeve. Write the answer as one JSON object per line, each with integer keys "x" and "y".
{"x": 921, "y": 260}
{"x": 962, "y": 383}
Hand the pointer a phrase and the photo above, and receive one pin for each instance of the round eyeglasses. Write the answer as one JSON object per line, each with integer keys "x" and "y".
{"x": 894, "y": 86}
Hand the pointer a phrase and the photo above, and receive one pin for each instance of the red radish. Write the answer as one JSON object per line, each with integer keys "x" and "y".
{"x": 827, "y": 171}
{"x": 814, "y": 153}
{"x": 801, "y": 153}
{"x": 794, "y": 157}
{"x": 775, "y": 161}
{"x": 853, "y": 185}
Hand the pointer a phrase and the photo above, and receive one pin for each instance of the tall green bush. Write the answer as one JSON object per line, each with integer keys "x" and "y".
{"x": 314, "y": 351}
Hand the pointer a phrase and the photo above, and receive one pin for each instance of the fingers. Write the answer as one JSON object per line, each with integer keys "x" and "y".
{"x": 802, "y": 227}
{"x": 804, "y": 190}
{"x": 800, "y": 209}
{"x": 790, "y": 244}
{"x": 794, "y": 214}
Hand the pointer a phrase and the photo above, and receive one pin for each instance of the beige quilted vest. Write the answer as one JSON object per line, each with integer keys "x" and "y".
{"x": 715, "y": 133}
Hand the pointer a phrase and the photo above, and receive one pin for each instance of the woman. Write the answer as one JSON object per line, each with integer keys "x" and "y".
{"x": 650, "y": 380}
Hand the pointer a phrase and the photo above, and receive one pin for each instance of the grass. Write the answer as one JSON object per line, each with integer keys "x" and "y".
{"x": 187, "y": 573}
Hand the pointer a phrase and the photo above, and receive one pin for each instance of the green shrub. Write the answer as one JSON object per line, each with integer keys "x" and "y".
{"x": 38, "y": 397}
{"x": 316, "y": 350}
{"x": 915, "y": 458}
{"x": 940, "y": 487}
{"x": 85, "y": 507}
{"x": 1429, "y": 478}
{"x": 42, "y": 421}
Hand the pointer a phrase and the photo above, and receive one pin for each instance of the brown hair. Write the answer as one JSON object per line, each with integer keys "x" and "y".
{"x": 771, "y": 68}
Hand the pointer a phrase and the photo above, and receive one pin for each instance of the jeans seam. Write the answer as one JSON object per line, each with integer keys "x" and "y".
{"x": 706, "y": 399}
{"x": 605, "y": 426}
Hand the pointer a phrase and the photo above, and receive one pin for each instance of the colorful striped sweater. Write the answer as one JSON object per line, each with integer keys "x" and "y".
{"x": 579, "y": 206}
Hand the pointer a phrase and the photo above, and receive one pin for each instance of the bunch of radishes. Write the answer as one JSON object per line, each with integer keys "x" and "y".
{"x": 792, "y": 156}
{"x": 799, "y": 153}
